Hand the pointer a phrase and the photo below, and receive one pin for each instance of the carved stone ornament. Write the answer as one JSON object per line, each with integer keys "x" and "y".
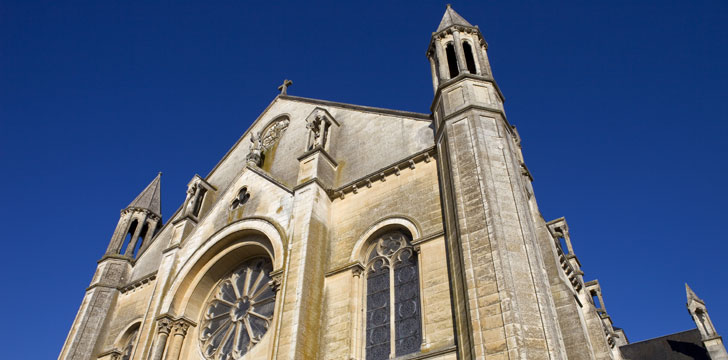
{"x": 241, "y": 198}
{"x": 273, "y": 133}
{"x": 192, "y": 199}
{"x": 181, "y": 327}
{"x": 164, "y": 326}
{"x": 239, "y": 311}
{"x": 256, "y": 150}
{"x": 315, "y": 128}
{"x": 264, "y": 141}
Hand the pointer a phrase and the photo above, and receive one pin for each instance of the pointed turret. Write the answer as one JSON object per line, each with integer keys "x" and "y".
{"x": 451, "y": 18}
{"x": 149, "y": 198}
{"x": 457, "y": 48}
{"x": 699, "y": 312}
{"x": 139, "y": 222}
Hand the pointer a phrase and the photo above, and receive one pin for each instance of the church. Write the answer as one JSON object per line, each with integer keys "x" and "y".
{"x": 348, "y": 232}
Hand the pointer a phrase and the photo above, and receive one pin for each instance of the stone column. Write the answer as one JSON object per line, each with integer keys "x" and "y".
{"x": 485, "y": 66}
{"x": 355, "y": 307}
{"x": 459, "y": 54}
{"x": 179, "y": 329}
{"x": 117, "y": 239}
{"x": 435, "y": 81}
{"x": 164, "y": 326}
{"x": 135, "y": 237}
{"x": 479, "y": 54}
{"x": 440, "y": 53}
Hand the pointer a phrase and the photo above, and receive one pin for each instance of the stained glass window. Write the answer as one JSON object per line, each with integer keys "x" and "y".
{"x": 392, "y": 278}
{"x": 129, "y": 346}
{"x": 238, "y": 312}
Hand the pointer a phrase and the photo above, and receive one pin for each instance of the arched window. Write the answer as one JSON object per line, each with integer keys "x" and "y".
{"x": 469, "y": 60}
{"x": 452, "y": 61}
{"x": 393, "y": 321}
{"x": 238, "y": 312}
{"x": 128, "y": 342}
{"x": 140, "y": 240}
{"x": 128, "y": 239}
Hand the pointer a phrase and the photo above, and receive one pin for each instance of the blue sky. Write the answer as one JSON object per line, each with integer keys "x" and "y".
{"x": 621, "y": 106}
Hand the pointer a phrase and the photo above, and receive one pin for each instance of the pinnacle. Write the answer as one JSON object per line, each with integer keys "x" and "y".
{"x": 691, "y": 294}
{"x": 150, "y": 197}
{"x": 451, "y": 18}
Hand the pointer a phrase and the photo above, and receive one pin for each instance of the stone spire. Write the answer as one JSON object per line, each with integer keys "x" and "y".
{"x": 699, "y": 312}
{"x": 451, "y": 18}
{"x": 691, "y": 296}
{"x": 149, "y": 198}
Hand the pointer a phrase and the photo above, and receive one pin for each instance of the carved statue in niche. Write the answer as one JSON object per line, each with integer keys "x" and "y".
{"x": 191, "y": 199}
{"x": 256, "y": 149}
{"x": 317, "y": 131}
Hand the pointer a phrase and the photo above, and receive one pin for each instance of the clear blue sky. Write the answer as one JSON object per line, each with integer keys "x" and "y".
{"x": 621, "y": 106}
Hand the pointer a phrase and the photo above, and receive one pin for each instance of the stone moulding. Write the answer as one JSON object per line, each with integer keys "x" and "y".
{"x": 381, "y": 174}
{"x": 139, "y": 283}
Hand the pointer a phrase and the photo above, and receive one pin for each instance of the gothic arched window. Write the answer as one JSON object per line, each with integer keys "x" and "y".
{"x": 469, "y": 59}
{"x": 128, "y": 342}
{"x": 393, "y": 298}
{"x": 452, "y": 60}
{"x": 238, "y": 312}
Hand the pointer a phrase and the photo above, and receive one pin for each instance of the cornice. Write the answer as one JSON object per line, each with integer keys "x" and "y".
{"x": 460, "y": 77}
{"x": 381, "y": 175}
{"x": 139, "y": 283}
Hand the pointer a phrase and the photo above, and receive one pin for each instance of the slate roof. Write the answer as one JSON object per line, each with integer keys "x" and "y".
{"x": 149, "y": 198}
{"x": 686, "y": 345}
{"x": 451, "y": 18}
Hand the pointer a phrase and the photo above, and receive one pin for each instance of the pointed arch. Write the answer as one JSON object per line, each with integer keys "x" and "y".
{"x": 469, "y": 58}
{"x": 358, "y": 253}
{"x": 255, "y": 236}
{"x": 452, "y": 60}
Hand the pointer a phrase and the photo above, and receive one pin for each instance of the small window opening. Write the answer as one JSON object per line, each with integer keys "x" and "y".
{"x": 595, "y": 300}
{"x": 241, "y": 199}
{"x": 562, "y": 242}
{"x": 469, "y": 60}
{"x": 198, "y": 204}
{"x": 452, "y": 61}
{"x": 140, "y": 240}
{"x": 127, "y": 240}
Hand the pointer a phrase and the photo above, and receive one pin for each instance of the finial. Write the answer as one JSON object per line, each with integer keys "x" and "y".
{"x": 448, "y": 5}
{"x": 284, "y": 87}
{"x": 160, "y": 174}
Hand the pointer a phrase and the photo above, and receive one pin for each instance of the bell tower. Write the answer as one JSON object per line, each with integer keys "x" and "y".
{"x": 139, "y": 222}
{"x": 501, "y": 293}
{"x": 137, "y": 225}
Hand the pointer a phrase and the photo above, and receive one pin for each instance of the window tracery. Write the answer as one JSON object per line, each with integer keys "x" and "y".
{"x": 393, "y": 324}
{"x": 238, "y": 312}
{"x": 129, "y": 346}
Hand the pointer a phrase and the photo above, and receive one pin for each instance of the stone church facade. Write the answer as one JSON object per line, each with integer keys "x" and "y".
{"x": 311, "y": 240}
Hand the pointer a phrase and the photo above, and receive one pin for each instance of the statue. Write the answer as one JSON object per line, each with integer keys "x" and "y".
{"x": 315, "y": 127}
{"x": 192, "y": 200}
{"x": 256, "y": 149}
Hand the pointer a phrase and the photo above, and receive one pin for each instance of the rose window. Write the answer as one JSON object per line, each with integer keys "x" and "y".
{"x": 238, "y": 312}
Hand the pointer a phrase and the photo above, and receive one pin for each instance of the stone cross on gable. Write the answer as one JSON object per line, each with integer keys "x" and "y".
{"x": 284, "y": 87}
